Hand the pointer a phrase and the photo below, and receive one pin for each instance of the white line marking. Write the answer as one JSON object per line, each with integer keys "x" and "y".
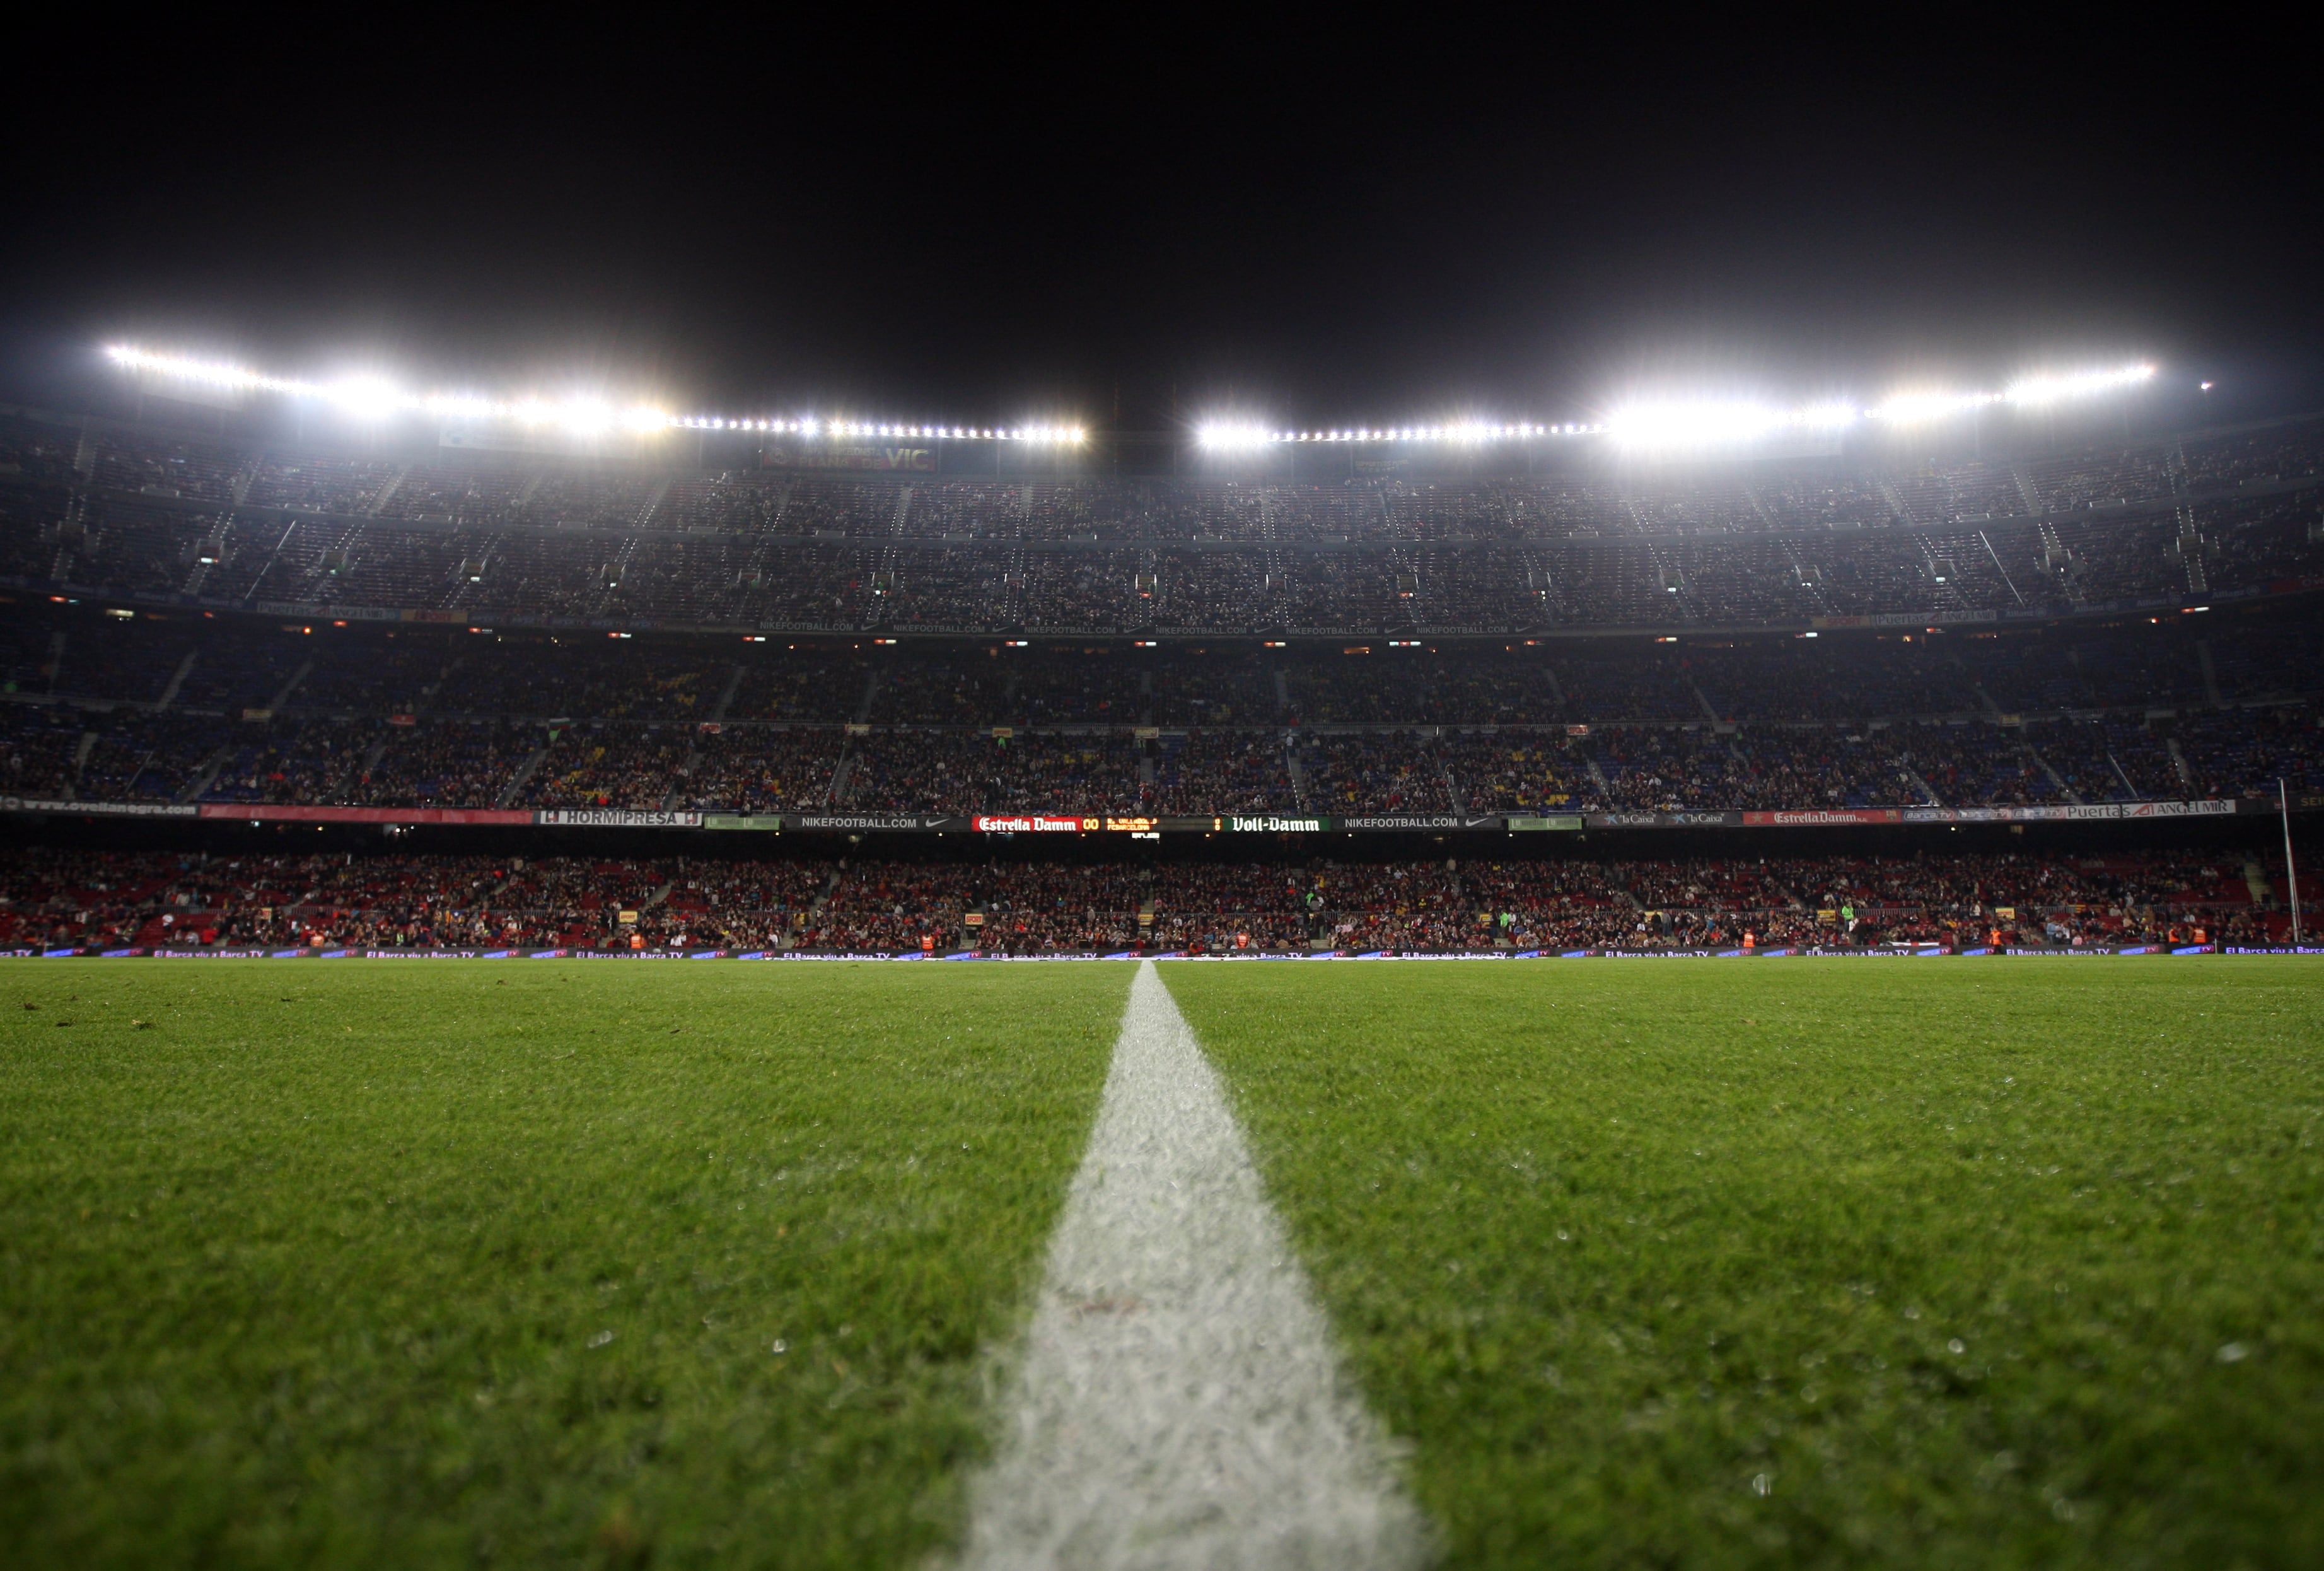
{"x": 1179, "y": 1403}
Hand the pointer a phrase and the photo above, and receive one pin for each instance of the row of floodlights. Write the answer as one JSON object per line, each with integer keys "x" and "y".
{"x": 1644, "y": 425}
{"x": 374, "y": 398}
{"x": 1706, "y": 424}
{"x": 845, "y": 428}
{"x": 1232, "y": 434}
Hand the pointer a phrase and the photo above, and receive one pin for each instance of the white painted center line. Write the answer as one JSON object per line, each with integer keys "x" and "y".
{"x": 1179, "y": 1403}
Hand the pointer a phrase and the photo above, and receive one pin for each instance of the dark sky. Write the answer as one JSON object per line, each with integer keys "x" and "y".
{"x": 1327, "y": 216}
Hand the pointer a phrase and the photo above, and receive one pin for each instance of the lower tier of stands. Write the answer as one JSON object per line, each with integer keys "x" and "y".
{"x": 55, "y": 898}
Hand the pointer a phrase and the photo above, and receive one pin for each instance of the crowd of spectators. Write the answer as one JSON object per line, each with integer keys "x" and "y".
{"x": 2242, "y": 753}
{"x": 609, "y": 765}
{"x": 446, "y": 764}
{"x": 983, "y": 771}
{"x": 492, "y": 575}
{"x": 1373, "y": 773}
{"x": 1198, "y": 772}
{"x": 176, "y": 707}
{"x": 2279, "y": 452}
{"x": 491, "y": 535}
{"x": 64, "y": 898}
{"x": 764, "y": 768}
{"x": 1518, "y": 772}
{"x": 66, "y": 752}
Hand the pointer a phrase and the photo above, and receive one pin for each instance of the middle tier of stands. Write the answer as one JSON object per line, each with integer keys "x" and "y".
{"x": 187, "y": 707}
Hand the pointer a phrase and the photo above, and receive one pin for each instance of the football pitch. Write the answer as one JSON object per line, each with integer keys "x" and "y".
{"x": 1781, "y": 1263}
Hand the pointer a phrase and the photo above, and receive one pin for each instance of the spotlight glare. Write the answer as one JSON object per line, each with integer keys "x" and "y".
{"x": 1231, "y": 435}
{"x": 1677, "y": 424}
{"x": 1690, "y": 425}
{"x": 1826, "y": 417}
{"x": 2036, "y": 391}
{"x": 365, "y": 397}
{"x": 1911, "y": 408}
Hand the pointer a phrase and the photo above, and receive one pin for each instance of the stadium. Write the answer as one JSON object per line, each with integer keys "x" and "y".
{"x": 1297, "y": 716}
{"x": 700, "y": 694}
{"x": 973, "y": 797}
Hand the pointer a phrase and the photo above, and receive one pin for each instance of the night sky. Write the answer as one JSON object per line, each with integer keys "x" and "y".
{"x": 1338, "y": 217}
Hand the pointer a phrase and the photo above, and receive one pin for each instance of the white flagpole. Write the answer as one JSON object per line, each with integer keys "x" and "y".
{"x": 2290, "y": 872}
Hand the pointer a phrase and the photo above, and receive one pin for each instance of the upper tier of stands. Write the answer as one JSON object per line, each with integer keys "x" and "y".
{"x": 489, "y": 537}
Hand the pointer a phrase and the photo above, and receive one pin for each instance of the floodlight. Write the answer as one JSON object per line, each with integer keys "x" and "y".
{"x": 584, "y": 417}
{"x": 216, "y": 375}
{"x": 1231, "y": 434}
{"x": 2031, "y": 393}
{"x": 460, "y": 408}
{"x": 1826, "y": 417}
{"x": 365, "y": 397}
{"x": 1690, "y": 425}
{"x": 1911, "y": 408}
{"x": 2036, "y": 391}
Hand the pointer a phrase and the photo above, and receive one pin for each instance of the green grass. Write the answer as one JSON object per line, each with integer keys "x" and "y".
{"x": 320, "y": 1267}
{"x": 309, "y": 1270}
{"x": 1964, "y": 1264}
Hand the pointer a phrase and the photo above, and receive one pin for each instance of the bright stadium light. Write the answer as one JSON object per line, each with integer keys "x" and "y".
{"x": 206, "y": 372}
{"x": 459, "y": 407}
{"x": 2031, "y": 393}
{"x": 1914, "y": 408}
{"x": 1465, "y": 432}
{"x": 1827, "y": 417}
{"x": 373, "y": 398}
{"x": 584, "y": 417}
{"x": 1716, "y": 424}
{"x": 365, "y": 397}
{"x": 1690, "y": 425}
{"x": 2036, "y": 391}
{"x": 1232, "y": 435}
{"x": 1668, "y": 425}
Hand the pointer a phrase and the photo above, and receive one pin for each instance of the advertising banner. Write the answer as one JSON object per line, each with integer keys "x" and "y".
{"x": 297, "y": 813}
{"x": 108, "y": 809}
{"x": 876, "y": 822}
{"x": 2075, "y": 811}
{"x": 1144, "y": 826}
{"x": 615, "y": 818}
{"x": 1409, "y": 821}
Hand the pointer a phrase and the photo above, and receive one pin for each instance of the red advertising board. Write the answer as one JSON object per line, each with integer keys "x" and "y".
{"x": 1813, "y": 817}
